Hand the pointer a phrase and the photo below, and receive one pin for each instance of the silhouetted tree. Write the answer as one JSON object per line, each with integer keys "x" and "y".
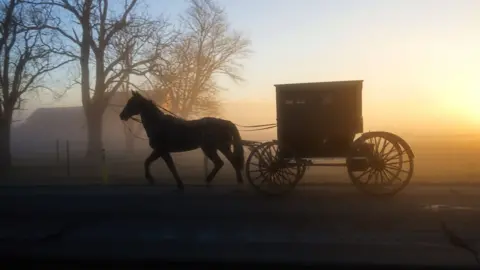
{"x": 121, "y": 45}
{"x": 102, "y": 28}
{"x": 27, "y": 54}
{"x": 207, "y": 47}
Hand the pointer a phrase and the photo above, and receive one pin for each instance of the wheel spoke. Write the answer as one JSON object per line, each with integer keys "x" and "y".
{"x": 386, "y": 176}
{"x": 269, "y": 155}
{"x": 265, "y": 179}
{"x": 369, "y": 177}
{"x": 395, "y": 177}
{"x": 389, "y": 152}
{"x": 377, "y": 145}
{"x": 398, "y": 155}
{"x": 398, "y": 170}
{"x": 285, "y": 180}
{"x": 399, "y": 163}
{"x": 385, "y": 143}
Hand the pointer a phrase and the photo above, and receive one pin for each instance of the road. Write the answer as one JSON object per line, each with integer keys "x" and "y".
{"x": 313, "y": 224}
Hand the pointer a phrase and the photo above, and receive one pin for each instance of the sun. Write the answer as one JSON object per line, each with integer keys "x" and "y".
{"x": 474, "y": 112}
{"x": 464, "y": 105}
{"x": 470, "y": 105}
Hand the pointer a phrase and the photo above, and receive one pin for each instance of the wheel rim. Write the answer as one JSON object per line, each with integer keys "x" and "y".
{"x": 268, "y": 173}
{"x": 390, "y": 166}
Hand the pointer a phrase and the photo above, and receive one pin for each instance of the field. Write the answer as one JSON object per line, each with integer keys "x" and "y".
{"x": 438, "y": 160}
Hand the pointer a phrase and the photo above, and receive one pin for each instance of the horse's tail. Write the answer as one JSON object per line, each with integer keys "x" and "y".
{"x": 238, "y": 152}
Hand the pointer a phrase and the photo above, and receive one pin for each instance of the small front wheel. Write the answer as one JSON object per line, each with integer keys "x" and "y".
{"x": 269, "y": 173}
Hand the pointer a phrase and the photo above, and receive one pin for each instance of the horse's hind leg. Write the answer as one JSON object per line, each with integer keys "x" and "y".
{"x": 212, "y": 154}
{"x": 171, "y": 166}
{"x": 229, "y": 155}
{"x": 153, "y": 156}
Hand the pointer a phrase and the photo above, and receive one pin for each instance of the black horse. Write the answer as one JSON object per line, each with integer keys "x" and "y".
{"x": 168, "y": 134}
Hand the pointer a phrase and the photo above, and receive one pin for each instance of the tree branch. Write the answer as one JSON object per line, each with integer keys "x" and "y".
{"x": 26, "y": 56}
{"x": 206, "y": 48}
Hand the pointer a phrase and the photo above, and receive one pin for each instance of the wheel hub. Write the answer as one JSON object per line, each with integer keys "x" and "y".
{"x": 377, "y": 163}
{"x": 274, "y": 166}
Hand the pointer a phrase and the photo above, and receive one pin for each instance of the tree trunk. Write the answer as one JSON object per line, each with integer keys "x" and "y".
{"x": 94, "y": 129}
{"x": 5, "y": 150}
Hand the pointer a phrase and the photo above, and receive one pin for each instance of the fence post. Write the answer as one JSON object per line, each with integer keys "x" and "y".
{"x": 104, "y": 167}
{"x": 68, "y": 157}
{"x": 57, "y": 148}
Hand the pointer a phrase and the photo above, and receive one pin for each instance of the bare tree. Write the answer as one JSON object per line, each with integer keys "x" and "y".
{"x": 27, "y": 55}
{"x": 129, "y": 127}
{"x": 208, "y": 47}
{"x": 103, "y": 24}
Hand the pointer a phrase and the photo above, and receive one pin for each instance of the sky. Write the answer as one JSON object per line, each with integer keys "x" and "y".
{"x": 419, "y": 59}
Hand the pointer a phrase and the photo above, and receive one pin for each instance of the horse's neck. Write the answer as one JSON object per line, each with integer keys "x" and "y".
{"x": 149, "y": 118}
{"x": 152, "y": 119}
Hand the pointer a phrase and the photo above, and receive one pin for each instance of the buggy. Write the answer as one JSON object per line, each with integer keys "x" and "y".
{"x": 322, "y": 121}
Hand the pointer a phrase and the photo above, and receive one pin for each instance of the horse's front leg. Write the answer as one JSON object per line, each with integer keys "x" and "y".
{"x": 153, "y": 156}
{"x": 171, "y": 165}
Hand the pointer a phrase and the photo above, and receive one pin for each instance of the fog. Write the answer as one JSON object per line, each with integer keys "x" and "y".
{"x": 68, "y": 123}
{"x": 444, "y": 153}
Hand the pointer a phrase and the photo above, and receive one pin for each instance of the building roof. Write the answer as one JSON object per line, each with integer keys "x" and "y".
{"x": 58, "y": 115}
{"x": 316, "y": 85}
{"x": 62, "y": 122}
{"x": 66, "y": 115}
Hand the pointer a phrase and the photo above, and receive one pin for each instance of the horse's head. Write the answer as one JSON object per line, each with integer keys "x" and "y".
{"x": 134, "y": 106}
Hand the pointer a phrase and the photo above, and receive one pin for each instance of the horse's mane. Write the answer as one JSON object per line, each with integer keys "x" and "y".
{"x": 150, "y": 103}
{"x": 153, "y": 105}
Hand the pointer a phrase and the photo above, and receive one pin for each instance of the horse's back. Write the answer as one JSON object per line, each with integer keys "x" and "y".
{"x": 214, "y": 120}
{"x": 180, "y": 135}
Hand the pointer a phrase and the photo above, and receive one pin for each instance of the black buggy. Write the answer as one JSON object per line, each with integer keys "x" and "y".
{"x": 320, "y": 121}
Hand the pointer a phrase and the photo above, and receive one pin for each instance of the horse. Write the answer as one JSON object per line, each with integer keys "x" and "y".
{"x": 169, "y": 134}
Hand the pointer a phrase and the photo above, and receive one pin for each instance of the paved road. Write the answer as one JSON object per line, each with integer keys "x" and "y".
{"x": 313, "y": 224}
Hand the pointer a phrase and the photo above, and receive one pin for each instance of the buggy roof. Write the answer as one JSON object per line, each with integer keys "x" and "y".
{"x": 318, "y": 86}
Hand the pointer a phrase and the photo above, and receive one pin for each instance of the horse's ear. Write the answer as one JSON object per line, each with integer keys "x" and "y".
{"x": 134, "y": 93}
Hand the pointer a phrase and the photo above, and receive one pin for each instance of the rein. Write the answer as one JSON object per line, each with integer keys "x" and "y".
{"x": 250, "y": 127}
{"x": 256, "y": 127}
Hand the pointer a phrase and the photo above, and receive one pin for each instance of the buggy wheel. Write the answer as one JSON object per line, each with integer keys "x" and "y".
{"x": 270, "y": 174}
{"x": 380, "y": 163}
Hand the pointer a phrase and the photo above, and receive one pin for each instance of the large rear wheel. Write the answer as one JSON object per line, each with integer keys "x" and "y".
{"x": 380, "y": 163}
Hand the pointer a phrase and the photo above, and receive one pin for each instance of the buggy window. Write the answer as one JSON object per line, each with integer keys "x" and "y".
{"x": 301, "y": 101}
